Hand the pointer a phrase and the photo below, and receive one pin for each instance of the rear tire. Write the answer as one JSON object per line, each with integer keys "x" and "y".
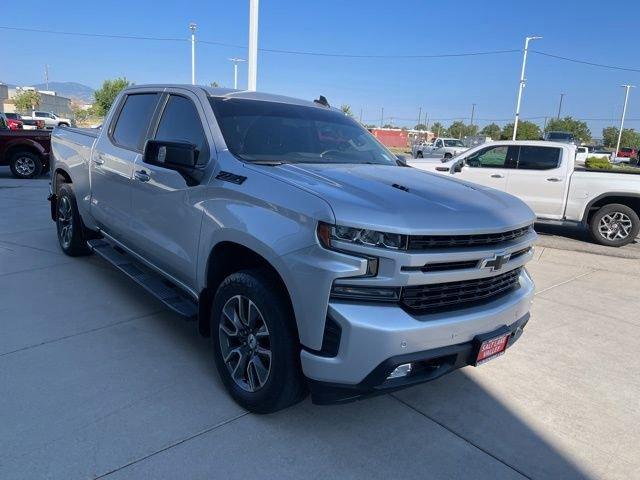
{"x": 614, "y": 225}
{"x": 419, "y": 155}
{"x": 255, "y": 342}
{"x": 447, "y": 156}
{"x": 25, "y": 165}
{"x": 71, "y": 230}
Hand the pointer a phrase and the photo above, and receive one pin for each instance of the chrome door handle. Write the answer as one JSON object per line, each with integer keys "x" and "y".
{"x": 497, "y": 175}
{"x": 141, "y": 175}
{"x": 98, "y": 160}
{"x": 554, "y": 179}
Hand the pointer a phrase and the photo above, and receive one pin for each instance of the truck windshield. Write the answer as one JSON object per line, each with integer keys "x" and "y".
{"x": 257, "y": 131}
{"x": 453, "y": 143}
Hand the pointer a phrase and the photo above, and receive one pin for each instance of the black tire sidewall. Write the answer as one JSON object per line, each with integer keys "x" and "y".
{"x": 285, "y": 376}
{"x": 78, "y": 245}
{"x": 36, "y": 159}
{"x": 597, "y": 216}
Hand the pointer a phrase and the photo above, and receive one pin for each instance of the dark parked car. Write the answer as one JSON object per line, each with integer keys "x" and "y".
{"x": 26, "y": 152}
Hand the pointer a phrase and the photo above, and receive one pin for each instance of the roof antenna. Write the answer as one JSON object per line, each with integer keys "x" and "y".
{"x": 322, "y": 100}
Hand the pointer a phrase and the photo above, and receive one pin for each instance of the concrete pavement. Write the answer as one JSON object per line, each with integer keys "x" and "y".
{"x": 98, "y": 380}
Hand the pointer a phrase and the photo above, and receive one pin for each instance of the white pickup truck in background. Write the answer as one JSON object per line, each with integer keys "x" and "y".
{"x": 544, "y": 175}
{"x": 441, "y": 148}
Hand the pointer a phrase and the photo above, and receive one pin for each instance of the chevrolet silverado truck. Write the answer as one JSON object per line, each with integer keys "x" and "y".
{"x": 546, "y": 177}
{"x": 305, "y": 251}
{"x": 26, "y": 152}
{"x": 442, "y": 148}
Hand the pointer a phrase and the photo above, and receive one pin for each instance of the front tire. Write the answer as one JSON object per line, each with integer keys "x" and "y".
{"x": 419, "y": 155}
{"x": 25, "y": 165}
{"x": 614, "y": 225}
{"x": 447, "y": 156}
{"x": 255, "y": 342}
{"x": 71, "y": 231}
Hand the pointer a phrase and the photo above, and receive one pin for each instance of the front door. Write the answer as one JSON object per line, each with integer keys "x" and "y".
{"x": 112, "y": 164}
{"x": 165, "y": 222}
{"x": 490, "y": 166}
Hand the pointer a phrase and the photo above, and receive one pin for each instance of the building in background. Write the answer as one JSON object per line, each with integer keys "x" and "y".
{"x": 49, "y": 101}
{"x": 4, "y": 95}
{"x": 400, "y": 137}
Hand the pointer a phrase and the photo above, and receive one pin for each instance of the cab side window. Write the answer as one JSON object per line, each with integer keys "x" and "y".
{"x": 538, "y": 158}
{"x": 180, "y": 122}
{"x": 502, "y": 156}
{"x": 133, "y": 122}
{"x": 438, "y": 144}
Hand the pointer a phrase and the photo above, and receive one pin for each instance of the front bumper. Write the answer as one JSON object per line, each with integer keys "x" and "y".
{"x": 373, "y": 335}
{"x": 428, "y": 365}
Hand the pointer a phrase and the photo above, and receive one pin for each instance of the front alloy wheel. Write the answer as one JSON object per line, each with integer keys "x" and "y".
{"x": 615, "y": 226}
{"x": 25, "y": 166}
{"x": 245, "y": 343}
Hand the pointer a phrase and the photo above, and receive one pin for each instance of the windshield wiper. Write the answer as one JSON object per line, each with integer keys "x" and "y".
{"x": 268, "y": 163}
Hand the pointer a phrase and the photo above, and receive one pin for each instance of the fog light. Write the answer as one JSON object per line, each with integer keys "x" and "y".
{"x": 400, "y": 371}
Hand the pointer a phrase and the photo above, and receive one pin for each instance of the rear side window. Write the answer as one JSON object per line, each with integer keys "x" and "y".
{"x": 180, "y": 122}
{"x": 538, "y": 158}
{"x": 134, "y": 119}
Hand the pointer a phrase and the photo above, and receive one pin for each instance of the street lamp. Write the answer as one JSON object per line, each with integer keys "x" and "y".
{"x": 236, "y": 61}
{"x": 522, "y": 82}
{"x": 560, "y": 105}
{"x": 192, "y": 27}
{"x": 624, "y": 112}
{"x": 252, "y": 69}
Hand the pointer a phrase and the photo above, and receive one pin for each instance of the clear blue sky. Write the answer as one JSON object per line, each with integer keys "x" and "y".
{"x": 600, "y": 32}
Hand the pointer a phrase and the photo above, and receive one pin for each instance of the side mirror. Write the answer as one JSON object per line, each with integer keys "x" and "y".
{"x": 401, "y": 160}
{"x": 172, "y": 155}
{"x": 457, "y": 168}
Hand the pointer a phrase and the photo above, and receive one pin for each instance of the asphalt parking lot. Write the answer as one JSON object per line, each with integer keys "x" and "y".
{"x": 98, "y": 380}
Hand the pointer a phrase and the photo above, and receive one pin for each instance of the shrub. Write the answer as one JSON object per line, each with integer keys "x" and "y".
{"x": 598, "y": 163}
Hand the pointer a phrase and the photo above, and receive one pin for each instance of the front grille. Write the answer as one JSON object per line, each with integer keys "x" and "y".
{"x": 421, "y": 242}
{"x": 454, "y": 295}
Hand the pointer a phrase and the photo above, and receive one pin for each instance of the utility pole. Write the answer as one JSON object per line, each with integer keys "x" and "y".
{"x": 624, "y": 112}
{"x": 192, "y": 27}
{"x": 419, "y": 115}
{"x": 473, "y": 111}
{"x": 253, "y": 45}
{"x": 560, "y": 105}
{"x": 522, "y": 82}
{"x": 235, "y": 61}
{"x": 360, "y": 115}
{"x": 426, "y": 115}
{"x": 381, "y": 117}
{"x": 46, "y": 75}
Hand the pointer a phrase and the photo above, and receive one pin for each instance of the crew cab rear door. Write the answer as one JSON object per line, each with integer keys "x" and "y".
{"x": 166, "y": 224}
{"x": 540, "y": 179}
{"x": 112, "y": 162}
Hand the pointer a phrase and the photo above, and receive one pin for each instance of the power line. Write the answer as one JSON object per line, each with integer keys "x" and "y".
{"x": 584, "y": 62}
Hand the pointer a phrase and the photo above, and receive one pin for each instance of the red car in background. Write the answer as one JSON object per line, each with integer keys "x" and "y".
{"x": 628, "y": 152}
{"x": 14, "y": 122}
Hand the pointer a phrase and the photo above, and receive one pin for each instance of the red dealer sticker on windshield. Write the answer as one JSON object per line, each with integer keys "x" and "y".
{"x": 492, "y": 348}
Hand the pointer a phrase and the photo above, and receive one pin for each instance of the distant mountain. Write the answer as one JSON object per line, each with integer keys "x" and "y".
{"x": 69, "y": 90}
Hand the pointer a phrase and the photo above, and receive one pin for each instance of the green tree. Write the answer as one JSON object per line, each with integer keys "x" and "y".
{"x": 579, "y": 129}
{"x": 492, "y": 130}
{"x": 214, "y": 84}
{"x": 526, "y": 131}
{"x": 460, "y": 129}
{"x": 26, "y": 100}
{"x": 106, "y": 94}
{"x": 439, "y": 129}
{"x": 420, "y": 126}
{"x": 630, "y": 138}
{"x": 369, "y": 125}
{"x": 346, "y": 109}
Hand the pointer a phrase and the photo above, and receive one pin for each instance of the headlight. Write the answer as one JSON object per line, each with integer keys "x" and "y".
{"x": 327, "y": 234}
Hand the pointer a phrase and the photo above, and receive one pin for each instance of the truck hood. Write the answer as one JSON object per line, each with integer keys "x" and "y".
{"x": 405, "y": 200}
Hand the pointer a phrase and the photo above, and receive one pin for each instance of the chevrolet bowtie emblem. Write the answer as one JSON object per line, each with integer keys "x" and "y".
{"x": 497, "y": 262}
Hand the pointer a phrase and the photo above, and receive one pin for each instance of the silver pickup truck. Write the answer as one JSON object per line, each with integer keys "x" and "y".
{"x": 311, "y": 257}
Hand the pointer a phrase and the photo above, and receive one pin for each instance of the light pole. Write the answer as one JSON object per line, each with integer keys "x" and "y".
{"x": 560, "y": 105}
{"x": 522, "y": 82}
{"x": 236, "y": 61}
{"x": 46, "y": 75}
{"x": 624, "y": 112}
{"x": 473, "y": 111}
{"x": 253, "y": 45}
{"x": 192, "y": 27}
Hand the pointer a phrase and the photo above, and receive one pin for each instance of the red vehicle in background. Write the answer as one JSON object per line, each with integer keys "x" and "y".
{"x": 26, "y": 152}
{"x": 26, "y": 124}
{"x": 628, "y": 153}
{"x": 14, "y": 122}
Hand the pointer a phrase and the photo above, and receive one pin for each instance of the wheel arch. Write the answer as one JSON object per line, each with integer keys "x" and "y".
{"x": 631, "y": 200}
{"x": 228, "y": 257}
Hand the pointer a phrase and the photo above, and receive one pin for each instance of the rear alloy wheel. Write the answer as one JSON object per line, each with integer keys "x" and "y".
{"x": 25, "y": 165}
{"x": 71, "y": 231}
{"x": 255, "y": 342}
{"x": 614, "y": 225}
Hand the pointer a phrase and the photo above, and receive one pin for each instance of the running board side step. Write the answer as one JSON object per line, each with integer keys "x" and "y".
{"x": 165, "y": 291}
